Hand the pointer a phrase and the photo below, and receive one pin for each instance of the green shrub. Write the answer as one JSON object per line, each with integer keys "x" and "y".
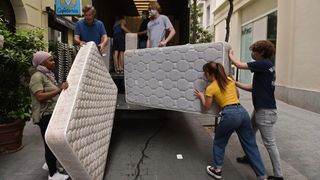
{"x": 15, "y": 67}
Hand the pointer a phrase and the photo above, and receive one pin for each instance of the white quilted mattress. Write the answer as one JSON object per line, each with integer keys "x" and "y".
{"x": 165, "y": 78}
{"x": 131, "y": 41}
{"x": 80, "y": 128}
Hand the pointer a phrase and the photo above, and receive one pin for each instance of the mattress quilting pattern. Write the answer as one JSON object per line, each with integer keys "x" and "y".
{"x": 165, "y": 78}
{"x": 80, "y": 129}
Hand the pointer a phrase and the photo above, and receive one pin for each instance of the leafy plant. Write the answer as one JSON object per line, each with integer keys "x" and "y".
{"x": 197, "y": 33}
{"x": 15, "y": 68}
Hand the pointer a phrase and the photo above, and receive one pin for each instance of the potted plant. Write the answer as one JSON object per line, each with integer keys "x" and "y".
{"x": 15, "y": 67}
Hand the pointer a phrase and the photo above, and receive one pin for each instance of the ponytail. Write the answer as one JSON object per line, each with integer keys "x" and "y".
{"x": 217, "y": 70}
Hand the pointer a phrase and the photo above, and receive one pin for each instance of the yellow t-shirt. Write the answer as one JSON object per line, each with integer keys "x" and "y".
{"x": 229, "y": 96}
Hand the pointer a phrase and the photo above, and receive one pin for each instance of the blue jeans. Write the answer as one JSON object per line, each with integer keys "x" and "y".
{"x": 236, "y": 119}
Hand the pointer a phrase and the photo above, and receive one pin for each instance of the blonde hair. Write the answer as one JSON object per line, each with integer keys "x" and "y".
{"x": 88, "y": 8}
{"x": 155, "y": 5}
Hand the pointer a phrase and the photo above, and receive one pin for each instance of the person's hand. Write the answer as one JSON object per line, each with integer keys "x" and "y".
{"x": 101, "y": 46}
{"x": 198, "y": 93}
{"x": 162, "y": 43}
{"x": 237, "y": 83}
{"x": 82, "y": 43}
{"x": 64, "y": 85}
{"x": 231, "y": 54}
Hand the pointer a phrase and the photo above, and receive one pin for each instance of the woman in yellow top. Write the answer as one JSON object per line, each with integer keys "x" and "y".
{"x": 234, "y": 118}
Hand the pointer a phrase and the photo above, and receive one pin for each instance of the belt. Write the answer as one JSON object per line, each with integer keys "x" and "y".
{"x": 229, "y": 105}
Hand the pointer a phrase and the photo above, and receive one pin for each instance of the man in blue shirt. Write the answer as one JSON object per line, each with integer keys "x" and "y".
{"x": 262, "y": 88}
{"x": 90, "y": 29}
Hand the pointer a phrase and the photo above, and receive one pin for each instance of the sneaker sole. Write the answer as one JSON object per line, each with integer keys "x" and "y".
{"x": 212, "y": 174}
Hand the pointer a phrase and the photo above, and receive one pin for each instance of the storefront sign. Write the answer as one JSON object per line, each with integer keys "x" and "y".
{"x": 68, "y": 7}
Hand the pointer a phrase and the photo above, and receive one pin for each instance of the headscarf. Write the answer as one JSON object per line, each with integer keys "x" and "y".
{"x": 38, "y": 58}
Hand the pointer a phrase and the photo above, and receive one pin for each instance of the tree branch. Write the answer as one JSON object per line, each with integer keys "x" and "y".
{"x": 228, "y": 21}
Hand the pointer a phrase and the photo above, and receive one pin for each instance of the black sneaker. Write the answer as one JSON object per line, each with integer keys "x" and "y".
{"x": 212, "y": 172}
{"x": 274, "y": 178}
{"x": 243, "y": 160}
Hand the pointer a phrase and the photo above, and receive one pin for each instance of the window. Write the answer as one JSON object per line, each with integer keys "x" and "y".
{"x": 208, "y": 16}
{"x": 54, "y": 35}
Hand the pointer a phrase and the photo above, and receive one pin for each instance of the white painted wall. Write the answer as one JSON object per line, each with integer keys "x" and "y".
{"x": 31, "y": 13}
{"x": 207, "y": 7}
{"x": 298, "y": 59}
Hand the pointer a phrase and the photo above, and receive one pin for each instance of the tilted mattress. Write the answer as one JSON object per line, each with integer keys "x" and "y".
{"x": 165, "y": 78}
{"x": 80, "y": 127}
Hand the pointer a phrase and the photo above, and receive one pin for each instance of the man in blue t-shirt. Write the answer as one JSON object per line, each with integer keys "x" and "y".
{"x": 262, "y": 88}
{"x": 90, "y": 29}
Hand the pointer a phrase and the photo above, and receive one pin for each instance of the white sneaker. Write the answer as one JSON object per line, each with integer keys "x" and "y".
{"x": 45, "y": 167}
{"x": 58, "y": 176}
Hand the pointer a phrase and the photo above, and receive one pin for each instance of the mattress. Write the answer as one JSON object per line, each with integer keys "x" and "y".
{"x": 131, "y": 41}
{"x": 165, "y": 78}
{"x": 80, "y": 127}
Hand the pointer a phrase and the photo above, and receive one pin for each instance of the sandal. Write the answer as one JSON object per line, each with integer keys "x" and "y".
{"x": 117, "y": 70}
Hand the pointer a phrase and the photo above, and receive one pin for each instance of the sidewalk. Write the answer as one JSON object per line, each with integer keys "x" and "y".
{"x": 297, "y": 133}
{"x": 298, "y": 139}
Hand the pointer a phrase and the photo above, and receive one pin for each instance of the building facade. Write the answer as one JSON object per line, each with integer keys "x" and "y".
{"x": 41, "y": 14}
{"x": 207, "y": 19}
{"x": 292, "y": 26}
{"x": 298, "y": 80}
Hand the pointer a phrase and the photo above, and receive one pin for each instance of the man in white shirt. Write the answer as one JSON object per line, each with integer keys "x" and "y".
{"x": 158, "y": 26}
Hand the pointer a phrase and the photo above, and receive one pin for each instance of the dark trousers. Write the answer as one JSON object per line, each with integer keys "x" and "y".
{"x": 51, "y": 160}
{"x": 142, "y": 44}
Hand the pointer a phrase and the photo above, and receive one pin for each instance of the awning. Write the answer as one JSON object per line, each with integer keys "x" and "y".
{"x": 60, "y": 19}
{"x": 65, "y": 22}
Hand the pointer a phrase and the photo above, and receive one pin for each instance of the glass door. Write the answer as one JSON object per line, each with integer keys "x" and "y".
{"x": 245, "y": 54}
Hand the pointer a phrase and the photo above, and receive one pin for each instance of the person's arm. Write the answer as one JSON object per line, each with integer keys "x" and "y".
{"x": 239, "y": 64}
{"x": 168, "y": 39}
{"x": 246, "y": 87}
{"x": 170, "y": 28}
{"x": 42, "y": 96}
{"x": 104, "y": 41}
{"x": 104, "y": 37}
{"x": 77, "y": 32}
{"x": 148, "y": 43}
{"x": 142, "y": 32}
{"x": 78, "y": 41}
{"x": 206, "y": 101}
{"x": 124, "y": 28}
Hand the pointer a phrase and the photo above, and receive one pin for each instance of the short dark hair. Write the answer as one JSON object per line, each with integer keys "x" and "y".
{"x": 265, "y": 47}
{"x": 145, "y": 12}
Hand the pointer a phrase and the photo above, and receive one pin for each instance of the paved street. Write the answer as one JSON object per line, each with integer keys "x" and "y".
{"x": 145, "y": 145}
